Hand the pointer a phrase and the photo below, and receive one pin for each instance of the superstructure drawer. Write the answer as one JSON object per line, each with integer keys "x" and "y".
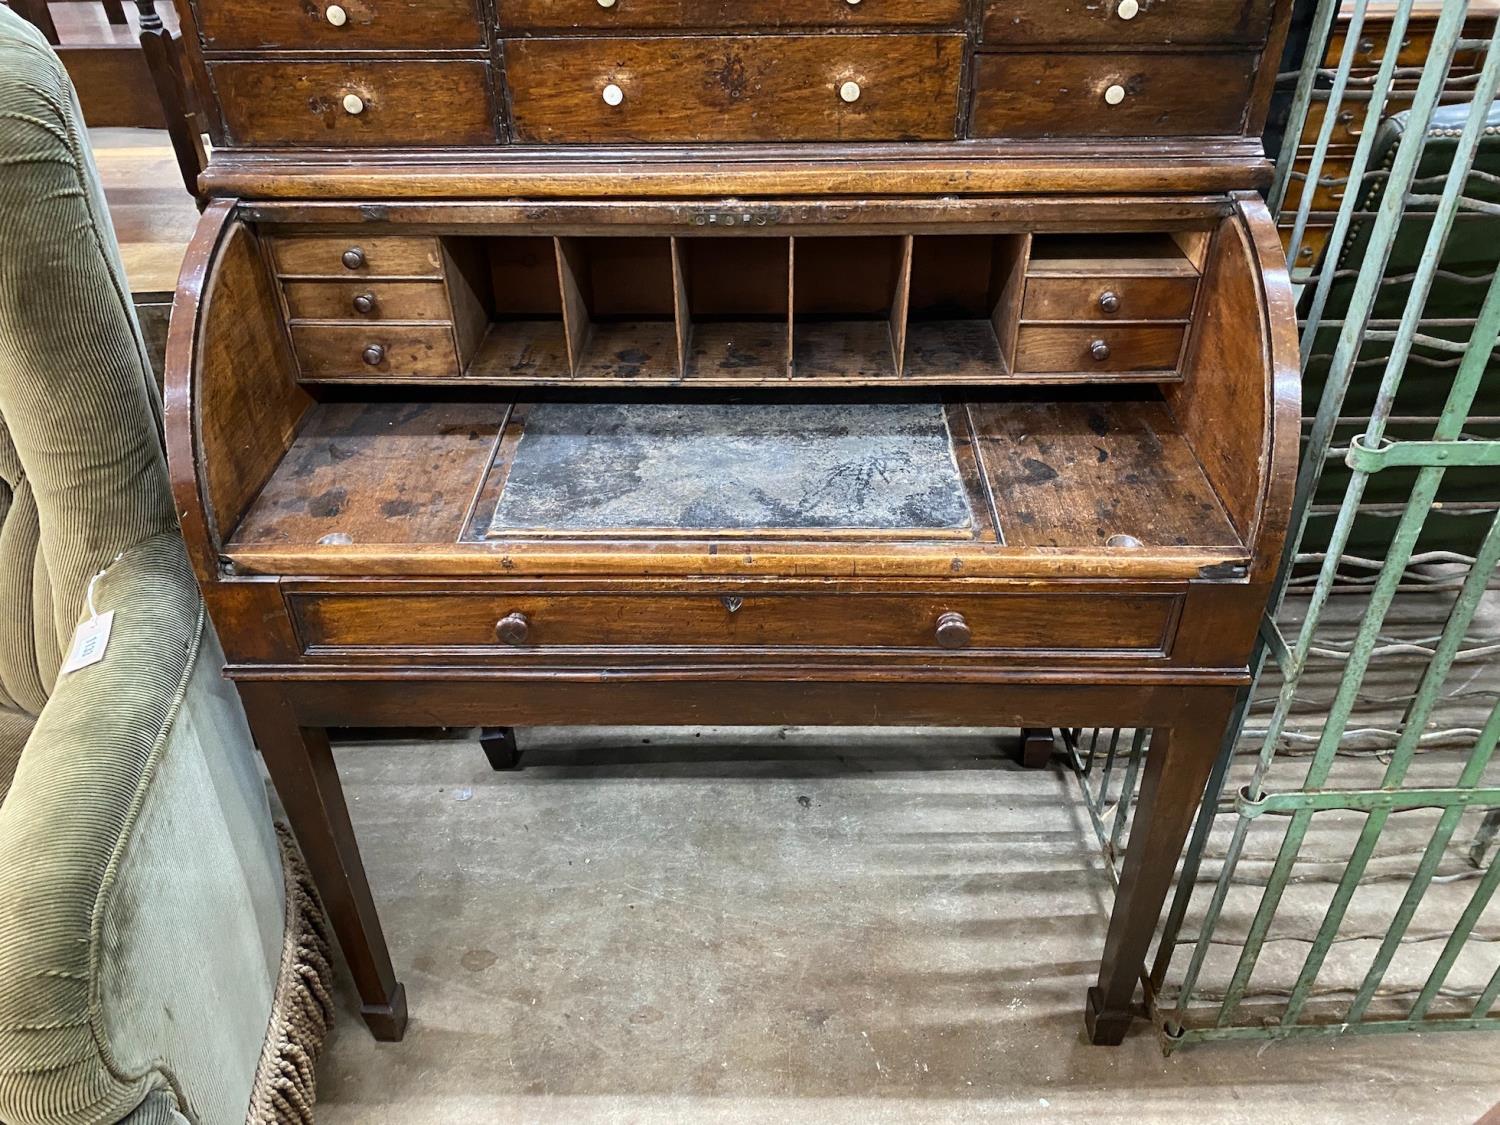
{"x": 356, "y": 103}
{"x": 735, "y": 88}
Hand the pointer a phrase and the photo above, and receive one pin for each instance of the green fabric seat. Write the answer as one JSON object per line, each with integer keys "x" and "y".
{"x": 1468, "y": 258}
{"x": 161, "y": 956}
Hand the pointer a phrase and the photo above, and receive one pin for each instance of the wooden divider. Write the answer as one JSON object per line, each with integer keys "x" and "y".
{"x": 858, "y": 310}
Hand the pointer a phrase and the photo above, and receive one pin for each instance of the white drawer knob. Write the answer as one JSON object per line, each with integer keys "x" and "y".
{"x": 336, "y": 15}
{"x": 353, "y": 103}
{"x": 613, "y": 95}
{"x": 1127, "y": 10}
{"x": 849, "y": 91}
{"x": 1114, "y": 95}
{"x": 606, "y": 3}
{"x": 851, "y": 3}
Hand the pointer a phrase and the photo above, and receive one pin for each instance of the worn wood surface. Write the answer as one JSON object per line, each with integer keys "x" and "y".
{"x": 1083, "y": 298}
{"x": 1054, "y": 94}
{"x": 679, "y": 15}
{"x": 1133, "y": 348}
{"x": 760, "y": 88}
{"x": 410, "y": 102}
{"x": 357, "y": 254}
{"x": 377, "y": 472}
{"x": 426, "y": 25}
{"x": 998, "y": 622}
{"x": 1078, "y": 474}
{"x": 335, "y": 299}
{"x": 1158, "y": 23}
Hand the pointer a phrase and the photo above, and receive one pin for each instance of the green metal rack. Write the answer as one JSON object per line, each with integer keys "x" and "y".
{"x": 1340, "y": 877}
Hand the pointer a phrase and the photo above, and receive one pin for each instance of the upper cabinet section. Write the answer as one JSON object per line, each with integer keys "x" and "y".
{"x": 434, "y": 74}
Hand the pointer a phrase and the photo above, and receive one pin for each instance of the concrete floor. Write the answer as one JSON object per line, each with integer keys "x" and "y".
{"x": 784, "y": 925}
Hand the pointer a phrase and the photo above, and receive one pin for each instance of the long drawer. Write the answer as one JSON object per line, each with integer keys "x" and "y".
{"x": 680, "y": 15}
{"x": 367, "y": 102}
{"x": 539, "y": 623}
{"x": 1118, "y": 23}
{"x": 349, "y": 25}
{"x": 735, "y": 88}
{"x": 1061, "y": 94}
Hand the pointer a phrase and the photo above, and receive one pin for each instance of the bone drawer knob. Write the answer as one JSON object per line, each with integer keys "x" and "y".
{"x": 849, "y": 91}
{"x": 335, "y": 15}
{"x": 353, "y": 258}
{"x": 1109, "y": 301}
{"x": 514, "y": 629}
{"x": 364, "y": 303}
{"x": 1128, "y": 9}
{"x": 1099, "y": 350}
{"x": 374, "y": 355}
{"x": 953, "y": 631}
{"x": 1114, "y": 95}
{"x": 613, "y": 95}
{"x": 354, "y": 104}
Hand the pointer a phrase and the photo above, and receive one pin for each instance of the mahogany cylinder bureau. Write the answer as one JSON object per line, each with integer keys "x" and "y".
{"x": 693, "y": 362}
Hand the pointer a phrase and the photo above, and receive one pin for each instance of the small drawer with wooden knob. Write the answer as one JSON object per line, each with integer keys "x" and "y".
{"x": 1153, "y": 349}
{"x": 360, "y": 351}
{"x": 552, "y": 626}
{"x": 351, "y": 25}
{"x": 687, "y": 15}
{"x": 1064, "y": 94}
{"x": 1113, "y": 298}
{"x": 368, "y": 103}
{"x": 734, "y": 88}
{"x": 353, "y": 256}
{"x": 368, "y": 300}
{"x": 1124, "y": 23}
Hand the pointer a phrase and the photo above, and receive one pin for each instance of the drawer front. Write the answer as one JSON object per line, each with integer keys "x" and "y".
{"x": 338, "y": 351}
{"x": 1047, "y": 348}
{"x": 355, "y": 104}
{"x": 364, "y": 300}
{"x": 1108, "y": 298}
{"x": 738, "y": 88}
{"x": 351, "y": 25}
{"x": 687, "y": 15}
{"x": 1134, "y": 623}
{"x": 1068, "y": 95}
{"x": 1104, "y": 22}
{"x": 352, "y": 256}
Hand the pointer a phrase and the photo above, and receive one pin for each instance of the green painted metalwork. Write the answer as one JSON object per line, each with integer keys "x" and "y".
{"x": 1371, "y": 305}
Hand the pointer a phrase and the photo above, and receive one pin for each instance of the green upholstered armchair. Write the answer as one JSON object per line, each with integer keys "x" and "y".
{"x": 162, "y": 957}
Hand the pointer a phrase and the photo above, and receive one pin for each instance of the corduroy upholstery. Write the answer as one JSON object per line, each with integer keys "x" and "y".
{"x": 143, "y": 903}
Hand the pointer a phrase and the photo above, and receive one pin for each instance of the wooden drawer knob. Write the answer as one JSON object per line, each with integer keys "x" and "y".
{"x": 354, "y": 105}
{"x": 1099, "y": 350}
{"x": 953, "y": 631}
{"x": 850, "y": 92}
{"x": 374, "y": 355}
{"x": 1128, "y": 9}
{"x": 335, "y": 15}
{"x": 514, "y": 629}
{"x": 364, "y": 303}
{"x": 354, "y": 258}
{"x": 1114, "y": 95}
{"x": 613, "y": 95}
{"x": 1109, "y": 301}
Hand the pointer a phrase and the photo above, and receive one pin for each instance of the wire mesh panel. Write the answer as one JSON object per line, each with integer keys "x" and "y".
{"x": 1342, "y": 874}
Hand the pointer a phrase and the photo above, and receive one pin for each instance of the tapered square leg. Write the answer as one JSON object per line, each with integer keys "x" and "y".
{"x": 499, "y": 746}
{"x": 1177, "y": 768}
{"x": 302, "y": 769}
